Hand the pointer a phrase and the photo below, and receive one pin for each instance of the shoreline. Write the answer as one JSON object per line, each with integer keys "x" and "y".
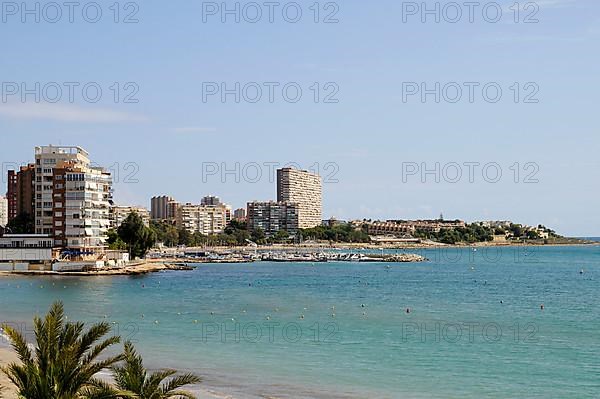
{"x": 407, "y": 247}
{"x": 175, "y": 263}
{"x": 131, "y": 270}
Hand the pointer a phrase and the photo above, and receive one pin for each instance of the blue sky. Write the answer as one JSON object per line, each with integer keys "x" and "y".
{"x": 372, "y": 133}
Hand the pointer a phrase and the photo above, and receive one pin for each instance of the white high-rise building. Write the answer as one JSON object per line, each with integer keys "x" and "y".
{"x": 46, "y": 159}
{"x": 304, "y": 189}
{"x": 81, "y": 212}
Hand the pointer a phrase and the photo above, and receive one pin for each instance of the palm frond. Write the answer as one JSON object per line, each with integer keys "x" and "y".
{"x": 171, "y": 388}
{"x": 19, "y": 344}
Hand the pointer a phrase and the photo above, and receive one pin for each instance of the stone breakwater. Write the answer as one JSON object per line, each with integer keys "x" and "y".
{"x": 131, "y": 270}
{"x": 342, "y": 257}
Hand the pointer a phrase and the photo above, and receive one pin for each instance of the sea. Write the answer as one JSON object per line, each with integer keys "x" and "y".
{"x": 498, "y": 322}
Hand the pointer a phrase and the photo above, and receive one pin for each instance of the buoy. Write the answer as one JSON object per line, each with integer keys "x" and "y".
{"x": 333, "y": 315}
{"x": 302, "y": 316}
{"x": 581, "y": 272}
{"x": 407, "y": 310}
{"x": 542, "y": 306}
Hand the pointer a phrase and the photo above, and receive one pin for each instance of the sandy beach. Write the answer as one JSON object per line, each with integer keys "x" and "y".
{"x": 8, "y": 391}
{"x": 7, "y": 356}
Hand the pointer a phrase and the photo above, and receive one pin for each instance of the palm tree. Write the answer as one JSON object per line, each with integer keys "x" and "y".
{"x": 133, "y": 377}
{"x": 65, "y": 360}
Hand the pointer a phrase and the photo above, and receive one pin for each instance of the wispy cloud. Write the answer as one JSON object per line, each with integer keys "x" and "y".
{"x": 67, "y": 113}
{"x": 555, "y": 3}
{"x": 192, "y": 129}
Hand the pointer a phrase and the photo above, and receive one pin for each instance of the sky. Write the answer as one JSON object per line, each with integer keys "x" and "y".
{"x": 485, "y": 111}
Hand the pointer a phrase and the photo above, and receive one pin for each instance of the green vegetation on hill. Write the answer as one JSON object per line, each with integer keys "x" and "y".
{"x": 472, "y": 233}
{"x": 339, "y": 233}
{"x": 477, "y": 232}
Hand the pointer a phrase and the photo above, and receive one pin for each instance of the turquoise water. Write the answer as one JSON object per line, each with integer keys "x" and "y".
{"x": 475, "y": 328}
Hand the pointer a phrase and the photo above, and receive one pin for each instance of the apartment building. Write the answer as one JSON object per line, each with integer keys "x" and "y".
{"x": 21, "y": 191}
{"x": 272, "y": 217}
{"x": 159, "y": 207}
{"x": 304, "y": 189}
{"x": 46, "y": 160}
{"x": 11, "y": 195}
{"x": 172, "y": 209}
{"x": 119, "y": 213}
{"x": 240, "y": 215}
{"x": 82, "y": 197}
{"x": 203, "y": 219}
{"x": 210, "y": 200}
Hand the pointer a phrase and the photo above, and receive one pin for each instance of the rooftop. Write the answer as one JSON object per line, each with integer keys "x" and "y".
{"x": 52, "y": 149}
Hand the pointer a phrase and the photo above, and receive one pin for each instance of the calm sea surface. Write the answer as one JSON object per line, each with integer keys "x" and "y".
{"x": 341, "y": 330}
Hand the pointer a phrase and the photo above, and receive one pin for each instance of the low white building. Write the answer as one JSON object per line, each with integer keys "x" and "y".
{"x": 31, "y": 248}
